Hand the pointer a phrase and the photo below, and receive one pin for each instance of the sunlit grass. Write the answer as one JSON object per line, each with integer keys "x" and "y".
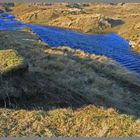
{"x": 87, "y": 121}
{"x": 9, "y": 59}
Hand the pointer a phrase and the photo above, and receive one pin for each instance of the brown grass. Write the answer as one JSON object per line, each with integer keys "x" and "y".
{"x": 89, "y": 121}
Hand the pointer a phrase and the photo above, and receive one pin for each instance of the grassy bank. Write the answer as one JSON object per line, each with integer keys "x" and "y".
{"x": 67, "y": 92}
{"x": 85, "y": 122}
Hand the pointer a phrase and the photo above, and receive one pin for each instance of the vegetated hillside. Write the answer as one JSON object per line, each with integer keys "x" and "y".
{"x": 122, "y": 18}
{"x": 66, "y": 92}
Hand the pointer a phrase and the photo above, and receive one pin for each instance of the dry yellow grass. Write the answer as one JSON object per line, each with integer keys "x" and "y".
{"x": 88, "y": 121}
{"x": 9, "y": 60}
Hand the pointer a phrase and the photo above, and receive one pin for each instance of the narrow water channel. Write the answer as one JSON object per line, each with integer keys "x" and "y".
{"x": 110, "y": 45}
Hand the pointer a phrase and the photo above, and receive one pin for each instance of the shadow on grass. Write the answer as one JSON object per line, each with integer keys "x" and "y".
{"x": 116, "y": 22}
{"x": 62, "y": 77}
{"x": 73, "y": 82}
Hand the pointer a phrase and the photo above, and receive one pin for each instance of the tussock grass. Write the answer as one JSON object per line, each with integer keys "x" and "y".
{"x": 9, "y": 60}
{"x": 88, "y": 121}
{"x": 97, "y": 79}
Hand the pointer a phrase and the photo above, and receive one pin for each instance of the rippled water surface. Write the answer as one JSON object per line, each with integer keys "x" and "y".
{"x": 110, "y": 45}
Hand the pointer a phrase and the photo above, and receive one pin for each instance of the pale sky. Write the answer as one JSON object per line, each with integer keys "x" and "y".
{"x": 113, "y": 1}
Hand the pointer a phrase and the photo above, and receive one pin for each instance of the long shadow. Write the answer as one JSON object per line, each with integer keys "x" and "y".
{"x": 116, "y": 22}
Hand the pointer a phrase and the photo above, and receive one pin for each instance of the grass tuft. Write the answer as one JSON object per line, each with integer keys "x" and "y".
{"x": 9, "y": 60}
{"x": 89, "y": 121}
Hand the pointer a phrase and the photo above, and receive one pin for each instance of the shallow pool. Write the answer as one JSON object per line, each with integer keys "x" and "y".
{"x": 110, "y": 45}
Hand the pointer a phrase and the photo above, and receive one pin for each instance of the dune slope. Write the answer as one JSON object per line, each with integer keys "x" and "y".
{"x": 67, "y": 92}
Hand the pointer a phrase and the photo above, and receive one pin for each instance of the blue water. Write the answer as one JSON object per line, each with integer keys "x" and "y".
{"x": 110, "y": 45}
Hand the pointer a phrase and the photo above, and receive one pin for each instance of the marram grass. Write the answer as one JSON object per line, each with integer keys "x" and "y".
{"x": 88, "y": 121}
{"x": 69, "y": 73}
{"x": 9, "y": 60}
